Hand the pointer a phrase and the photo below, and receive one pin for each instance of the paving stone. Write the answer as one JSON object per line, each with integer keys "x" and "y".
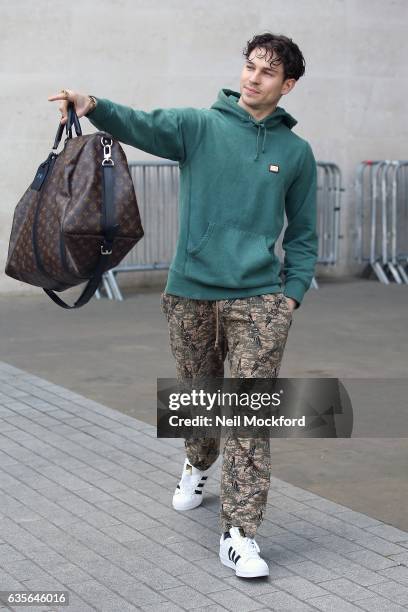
{"x": 76, "y": 603}
{"x": 280, "y": 555}
{"x": 299, "y": 587}
{"x": 191, "y": 550}
{"x": 8, "y": 582}
{"x": 357, "y": 518}
{"x": 68, "y": 573}
{"x": 122, "y": 533}
{"x": 370, "y": 559}
{"x": 90, "y": 474}
{"x": 149, "y": 571}
{"x": 380, "y": 545}
{"x": 292, "y": 491}
{"x": 168, "y": 561}
{"x": 331, "y": 523}
{"x": 294, "y": 542}
{"x": 392, "y": 590}
{"x": 280, "y": 601}
{"x": 48, "y": 559}
{"x": 76, "y": 505}
{"x": 48, "y": 583}
{"x": 202, "y": 581}
{"x": 91, "y": 494}
{"x": 361, "y": 575}
{"x": 379, "y": 604}
{"x": 214, "y": 567}
{"x": 306, "y": 529}
{"x": 165, "y": 606}
{"x": 328, "y": 558}
{"x": 337, "y": 543}
{"x": 400, "y": 558}
{"x": 399, "y": 574}
{"x": 128, "y": 586}
{"x": 235, "y": 600}
{"x": 346, "y": 588}
{"x": 332, "y": 603}
{"x": 157, "y": 578}
{"x": 312, "y": 571}
{"x": 326, "y": 505}
{"x": 267, "y": 528}
{"x": 8, "y": 554}
{"x": 187, "y": 597}
{"x": 282, "y": 502}
{"x": 139, "y": 521}
{"x": 101, "y": 519}
{"x": 256, "y": 587}
{"x": 26, "y": 569}
{"x": 164, "y": 535}
{"x": 389, "y": 533}
{"x": 98, "y": 595}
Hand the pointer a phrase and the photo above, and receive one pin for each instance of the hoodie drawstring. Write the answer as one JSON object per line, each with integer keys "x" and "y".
{"x": 260, "y": 125}
{"x": 216, "y": 324}
{"x": 227, "y": 105}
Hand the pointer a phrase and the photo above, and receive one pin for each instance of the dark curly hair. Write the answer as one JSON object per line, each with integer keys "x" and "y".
{"x": 287, "y": 53}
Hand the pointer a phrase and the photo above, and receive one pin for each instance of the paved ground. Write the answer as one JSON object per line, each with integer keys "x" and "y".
{"x": 350, "y": 328}
{"x": 85, "y": 506}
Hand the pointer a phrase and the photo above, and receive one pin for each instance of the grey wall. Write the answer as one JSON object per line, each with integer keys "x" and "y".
{"x": 149, "y": 54}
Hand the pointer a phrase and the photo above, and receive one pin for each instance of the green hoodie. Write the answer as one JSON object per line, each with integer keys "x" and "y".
{"x": 237, "y": 178}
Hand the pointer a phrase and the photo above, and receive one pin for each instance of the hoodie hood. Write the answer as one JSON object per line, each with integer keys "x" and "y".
{"x": 227, "y": 102}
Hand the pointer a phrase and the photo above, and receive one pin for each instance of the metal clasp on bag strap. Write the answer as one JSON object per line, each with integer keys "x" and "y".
{"x": 107, "y": 151}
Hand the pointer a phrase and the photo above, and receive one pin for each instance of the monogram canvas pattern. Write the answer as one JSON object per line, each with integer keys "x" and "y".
{"x": 57, "y": 232}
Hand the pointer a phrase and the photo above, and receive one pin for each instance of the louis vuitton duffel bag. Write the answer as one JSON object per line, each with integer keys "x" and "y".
{"x": 78, "y": 218}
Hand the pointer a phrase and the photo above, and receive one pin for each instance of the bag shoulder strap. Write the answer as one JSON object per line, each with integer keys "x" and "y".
{"x": 109, "y": 232}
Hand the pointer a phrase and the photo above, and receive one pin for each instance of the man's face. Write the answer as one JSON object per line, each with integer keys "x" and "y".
{"x": 262, "y": 84}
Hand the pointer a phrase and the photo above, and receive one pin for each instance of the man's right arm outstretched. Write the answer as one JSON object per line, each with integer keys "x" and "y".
{"x": 172, "y": 133}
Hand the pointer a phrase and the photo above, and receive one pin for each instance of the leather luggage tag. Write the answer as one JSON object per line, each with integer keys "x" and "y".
{"x": 42, "y": 172}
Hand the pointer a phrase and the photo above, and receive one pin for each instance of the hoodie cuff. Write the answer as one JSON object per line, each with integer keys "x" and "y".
{"x": 101, "y": 110}
{"x": 296, "y": 290}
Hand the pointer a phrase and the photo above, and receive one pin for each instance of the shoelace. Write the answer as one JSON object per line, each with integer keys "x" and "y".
{"x": 248, "y": 546}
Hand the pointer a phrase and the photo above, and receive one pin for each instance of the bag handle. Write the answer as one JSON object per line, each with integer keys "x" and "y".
{"x": 72, "y": 119}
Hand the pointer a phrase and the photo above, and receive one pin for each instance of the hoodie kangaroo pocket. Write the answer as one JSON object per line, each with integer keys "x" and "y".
{"x": 227, "y": 256}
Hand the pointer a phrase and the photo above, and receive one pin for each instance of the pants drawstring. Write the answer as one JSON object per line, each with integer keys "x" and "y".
{"x": 216, "y": 324}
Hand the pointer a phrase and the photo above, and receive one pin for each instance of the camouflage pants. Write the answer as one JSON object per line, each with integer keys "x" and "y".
{"x": 253, "y": 333}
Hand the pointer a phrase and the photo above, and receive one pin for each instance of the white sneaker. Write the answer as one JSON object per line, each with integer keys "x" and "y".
{"x": 189, "y": 491}
{"x": 242, "y": 554}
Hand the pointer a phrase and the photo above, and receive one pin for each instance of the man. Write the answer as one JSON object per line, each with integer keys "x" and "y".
{"x": 241, "y": 168}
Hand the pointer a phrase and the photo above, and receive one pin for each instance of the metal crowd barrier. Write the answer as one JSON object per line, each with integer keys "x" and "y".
{"x": 157, "y": 196}
{"x": 381, "y": 238}
{"x": 329, "y": 190}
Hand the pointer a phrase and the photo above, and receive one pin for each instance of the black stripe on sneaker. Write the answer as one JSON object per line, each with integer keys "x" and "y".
{"x": 204, "y": 477}
{"x": 233, "y": 555}
{"x": 201, "y": 484}
{"x": 198, "y": 492}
